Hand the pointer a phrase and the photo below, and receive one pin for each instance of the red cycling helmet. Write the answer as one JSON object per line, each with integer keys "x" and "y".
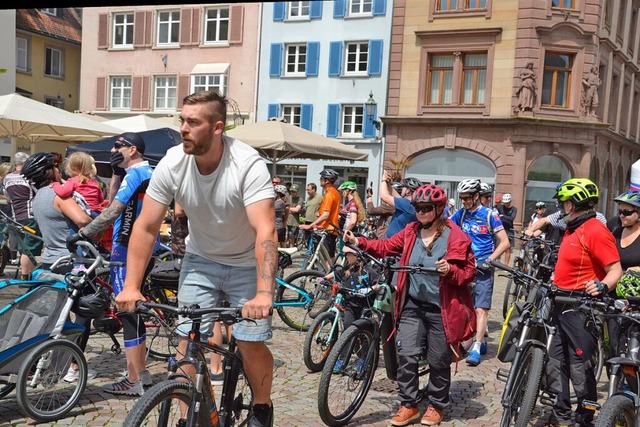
{"x": 429, "y": 193}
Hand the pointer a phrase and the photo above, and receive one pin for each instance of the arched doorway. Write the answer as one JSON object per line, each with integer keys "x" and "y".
{"x": 545, "y": 173}
{"x": 447, "y": 168}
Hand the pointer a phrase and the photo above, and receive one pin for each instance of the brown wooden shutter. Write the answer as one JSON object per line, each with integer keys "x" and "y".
{"x": 148, "y": 32}
{"x": 101, "y": 93}
{"x": 103, "y": 31}
{"x": 195, "y": 26}
{"x": 146, "y": 97}
{"x": 236, "y": 21}
{"x": 189, "y": 26}
{"x": 143, "y": 24}
{"x": 183, "y": 88}
{"x": 136, "y": 93}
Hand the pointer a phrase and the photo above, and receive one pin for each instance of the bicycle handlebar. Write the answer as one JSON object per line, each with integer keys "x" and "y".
{"x": 227, "y": 315}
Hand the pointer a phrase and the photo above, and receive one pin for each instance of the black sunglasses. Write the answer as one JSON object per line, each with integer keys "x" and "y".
{"x": 626, "y": 212}
{"x": 424, "y": 208}
{"x": 119, "y": 145}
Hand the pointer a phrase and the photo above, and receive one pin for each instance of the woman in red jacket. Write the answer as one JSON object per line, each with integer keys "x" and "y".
{"x": 434, "y": 310}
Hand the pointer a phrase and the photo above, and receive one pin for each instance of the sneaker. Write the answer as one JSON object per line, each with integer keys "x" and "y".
{"x": 145, "y": 377}
{"x": 72, "y": 375}
{"x": 359, "y": 365}
{"x": 432, "y": 417}
{"x": 337, "y": 368}
{"x": 216, "y": 379}
{"x": 483, "y": 347}
{"x": 474, "y": 358}
{"x": 262, "y": 416}
{"x": 405, "y": 415}
{"x": 126, "y": 387}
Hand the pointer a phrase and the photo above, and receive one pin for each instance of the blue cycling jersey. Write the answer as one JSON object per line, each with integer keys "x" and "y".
{"x": 474, "y": 224}
{"x": 404, "y": 214}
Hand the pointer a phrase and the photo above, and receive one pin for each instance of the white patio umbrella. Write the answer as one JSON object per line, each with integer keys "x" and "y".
{"x": 140, "y": 123}
{"x": 34, "y": 121}
{"x": 276, "y": 140}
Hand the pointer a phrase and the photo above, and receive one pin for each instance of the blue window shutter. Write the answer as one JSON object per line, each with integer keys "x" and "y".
{"x": 335, "y": 58}
{"x": 272, "y": 111}
{"x": 379, "y": 7}
{"x": 368, "y": 128}
{"x": 333, "y": 120}
{"x": 278, "y": 11}
{"x": 339, "y": 8}
{"x": 313, "y": 58}
{"x": 306, "y": 116}
{"x": 275, "y": 66}
{"x": 316, "y": 10}
{"x": 375, "y": 57}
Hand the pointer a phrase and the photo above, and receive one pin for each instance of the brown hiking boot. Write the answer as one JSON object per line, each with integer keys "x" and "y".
{"x": 405, "y": 415}
{"x": 432, "y": 417}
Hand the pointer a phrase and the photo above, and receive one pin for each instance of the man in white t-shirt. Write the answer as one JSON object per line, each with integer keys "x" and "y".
{"x": 225, "y": 189}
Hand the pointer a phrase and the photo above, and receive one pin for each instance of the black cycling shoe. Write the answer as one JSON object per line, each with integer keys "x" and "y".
{"x": 262, "y": 416}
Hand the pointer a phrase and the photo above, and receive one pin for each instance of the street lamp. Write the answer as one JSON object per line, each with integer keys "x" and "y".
{"x": 371, "y": 106}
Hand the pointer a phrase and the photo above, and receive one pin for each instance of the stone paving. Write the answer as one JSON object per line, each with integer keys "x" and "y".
{"x": 475, "y": 392}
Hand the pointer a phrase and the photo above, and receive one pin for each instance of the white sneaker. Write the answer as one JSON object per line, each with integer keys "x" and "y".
{"x": 124, "y": 386}
{"x": 72, "y": 375}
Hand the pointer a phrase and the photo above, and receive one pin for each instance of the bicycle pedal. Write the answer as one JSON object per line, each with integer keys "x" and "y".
{"x": 589, "y": 404}
{"x": 547, "y": 398}
{"x": 502, "y": 375}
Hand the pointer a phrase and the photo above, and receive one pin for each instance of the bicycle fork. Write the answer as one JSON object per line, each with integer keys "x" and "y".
{"x": 202, "y": 395}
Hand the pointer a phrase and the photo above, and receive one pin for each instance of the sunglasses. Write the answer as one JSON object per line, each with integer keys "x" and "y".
{"x": 119, "y": 145}
{"x": 626, "y": 212}
{"x": 424, "y": 208}
{"x": 465, "y": 198}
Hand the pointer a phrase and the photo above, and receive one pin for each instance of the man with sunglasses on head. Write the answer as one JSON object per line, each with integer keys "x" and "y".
{"x": 126, "y": 154}
{"x": 481, "y": 224}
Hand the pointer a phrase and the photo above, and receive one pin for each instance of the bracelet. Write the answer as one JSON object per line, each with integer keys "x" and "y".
{"x": 265, "y": 292}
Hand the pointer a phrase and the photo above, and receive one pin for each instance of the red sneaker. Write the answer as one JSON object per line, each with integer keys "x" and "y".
{"x": 405, "y": 415}
{"x": 432, "y": 417}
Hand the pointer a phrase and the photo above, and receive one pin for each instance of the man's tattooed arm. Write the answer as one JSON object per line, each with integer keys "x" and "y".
{"x": 104, "y": 220}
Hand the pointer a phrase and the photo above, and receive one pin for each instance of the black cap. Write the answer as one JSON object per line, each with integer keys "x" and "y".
{"x": 132, "y": 139}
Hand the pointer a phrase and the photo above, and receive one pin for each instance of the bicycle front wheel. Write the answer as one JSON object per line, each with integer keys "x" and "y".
{"x": 319, "y": 340}
{"x": 236, "y": 408}
{"x": 346, "y": 377}
{"x": 160, "y": 406}
{"x": 161, "y": 343}
{"x": 41, "y": 391}
{"x": 525, "y": 389}
{"x": 617, "y": 411}
{"x": 290, "y": 303}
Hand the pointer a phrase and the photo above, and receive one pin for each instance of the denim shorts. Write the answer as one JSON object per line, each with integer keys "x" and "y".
{"x": 484, "y": 290}
{"x": 208, "y": 283}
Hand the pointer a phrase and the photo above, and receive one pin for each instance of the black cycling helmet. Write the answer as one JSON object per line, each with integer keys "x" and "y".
{"x": 330, "y": 175}
{"x": 412, "y": 183}
{"x": 36, "y": 167}
{"x": 397, "y": 186}
{"x": 485, "y": 189}
{"x": 92, "y": 306}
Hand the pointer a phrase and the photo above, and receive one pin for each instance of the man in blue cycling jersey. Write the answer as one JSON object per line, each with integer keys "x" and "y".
{"x": 404, "y": 210}
{"x": 481, "y": 224}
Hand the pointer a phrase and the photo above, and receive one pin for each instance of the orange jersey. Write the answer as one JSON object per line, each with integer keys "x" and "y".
{"x": 330, "y": 202}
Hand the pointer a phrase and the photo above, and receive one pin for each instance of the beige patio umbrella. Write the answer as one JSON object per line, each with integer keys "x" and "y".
{"x": 34, "y": 121}
{"x": 140, "y": 123}
{"x": 276, "y": 140}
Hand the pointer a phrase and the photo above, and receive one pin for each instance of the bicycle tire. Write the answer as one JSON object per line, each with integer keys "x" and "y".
{"x": 525, "y": 388}
{"x": 51, "y": 360}
{"x": 353, "y": 343}
{"x": 319, "y": 341}
{"x": 618, "y": 410}
{"x": 160, "y": 405}
{"x": 599, "y": 357}
{"x": 237, "y": 402}
{"x": 509, "y": 296}
{"x": 6, "y": 388}
{"x": 162, "y": 343}
{"x": 296, "y": 318}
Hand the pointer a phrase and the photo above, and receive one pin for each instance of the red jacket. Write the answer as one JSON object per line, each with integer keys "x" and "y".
{"x": 456, "y": 305}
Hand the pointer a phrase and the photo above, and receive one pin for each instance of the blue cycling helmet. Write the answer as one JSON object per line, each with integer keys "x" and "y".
{"x": 630, "y": 197}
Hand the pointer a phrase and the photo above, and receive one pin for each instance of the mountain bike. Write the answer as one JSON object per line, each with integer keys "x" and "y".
{"x": 525, "y": 342}
{"x": 344, "y": 386}
{"x": 166, "y": 403}
{"x": 300, "y": 298}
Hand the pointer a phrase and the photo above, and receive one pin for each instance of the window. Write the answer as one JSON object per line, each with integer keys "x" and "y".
{"x": 360, "y": 7}
{"x": 357, "y": 58}
{"x": 49, "y": 11}
{"x": 54, "y": 62}
{"x": 442, "y": 5}
{"x": 556, "y": 82}
{"x": 166, "y": 93}
{"x": 22, "y": 54}
{"x": 291, "y": 114}
{"x": 440, "y": 79}
{"x": 563, "y": 4}
{"x": 296, "y": 60}
{"x": 352, "y": 118}
{"x": 299, "y": 9}
{"x": 120, "y": 93}
{"x": 474, "y": 74}
{"x": 123, "y": 30}
{"x": 168, "y": 27}
{"x": 212, "y": 82}
{"x": 475, "y": 4}
{"x": 216, "y": 25}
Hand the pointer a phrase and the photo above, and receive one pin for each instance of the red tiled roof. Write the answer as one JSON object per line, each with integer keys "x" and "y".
{"x": 67, "y": 26}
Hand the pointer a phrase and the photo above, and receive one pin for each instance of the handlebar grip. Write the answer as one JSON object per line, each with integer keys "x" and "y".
{"x": 501, "y": 266}
{"x": 562, "y": 299}
{"x": 29, "y": 229}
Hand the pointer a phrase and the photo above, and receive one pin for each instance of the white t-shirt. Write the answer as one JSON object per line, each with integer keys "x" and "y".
{"x": 219, "y": 229}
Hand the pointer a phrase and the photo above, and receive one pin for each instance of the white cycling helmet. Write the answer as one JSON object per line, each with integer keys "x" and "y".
{"x": 506, "y": 198}
{"x": 469, "y": 186}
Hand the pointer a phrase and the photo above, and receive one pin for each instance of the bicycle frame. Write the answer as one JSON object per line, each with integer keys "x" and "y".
{"x": 305, "y": 297}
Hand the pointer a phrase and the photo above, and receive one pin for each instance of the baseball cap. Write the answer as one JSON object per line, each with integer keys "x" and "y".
{"x": 294, "y": 187}
{"x": 132, "y": 139}
{"x": 20, "y": 157}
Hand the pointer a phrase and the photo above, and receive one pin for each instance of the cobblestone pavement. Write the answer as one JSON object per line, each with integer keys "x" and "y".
{"x": 475, "y": 392}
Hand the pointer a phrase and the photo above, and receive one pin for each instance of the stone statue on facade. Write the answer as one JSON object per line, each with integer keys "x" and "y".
{"x": 526, "y": 93}
{"x": 589, "y": 100}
